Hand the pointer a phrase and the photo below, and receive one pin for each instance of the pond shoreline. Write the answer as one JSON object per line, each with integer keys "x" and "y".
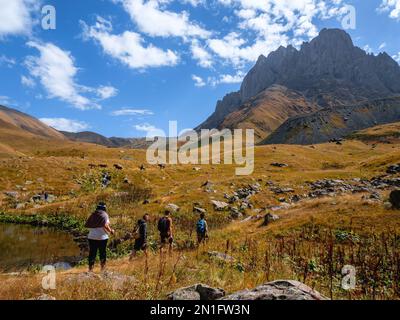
{"x": 68, "y": 224}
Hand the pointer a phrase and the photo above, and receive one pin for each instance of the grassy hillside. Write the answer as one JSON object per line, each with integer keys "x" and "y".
{"x": 311, "y": 241}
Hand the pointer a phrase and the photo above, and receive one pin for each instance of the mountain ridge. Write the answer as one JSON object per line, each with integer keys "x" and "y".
{"x": 330, "y": 71}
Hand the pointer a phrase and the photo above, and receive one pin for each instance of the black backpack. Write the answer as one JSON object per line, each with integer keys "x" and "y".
{"x": 163, "y": 225}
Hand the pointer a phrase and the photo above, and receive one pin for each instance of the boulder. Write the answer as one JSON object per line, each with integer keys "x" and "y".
{"x": 12, "y": 194}
{"x": 278, "y": 290}
{"x": 219, "y": 205}
{"x": 197, "y": 292}
{"x": 199, "y": 210}
{"x": 279, "y": 165}
{"x": 393, "y": 169}
{"x": 221, "y": 256}
{"x": 395, "y": 199}
{"x": 44, "y": 297}
{"x": 173, "y": 207}
{"x": 270, "y": 218}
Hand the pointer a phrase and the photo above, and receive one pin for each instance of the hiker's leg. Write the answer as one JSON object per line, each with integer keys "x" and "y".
{"x": 103, "y": 253}
{"x": 92, "y": 254}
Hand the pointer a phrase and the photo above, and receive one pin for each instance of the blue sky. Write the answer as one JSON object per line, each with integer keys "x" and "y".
{"x": 125, "y": 67}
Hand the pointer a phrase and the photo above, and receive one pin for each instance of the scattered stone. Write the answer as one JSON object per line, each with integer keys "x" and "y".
{"x": 221, "y": 257}
{"x": 235, "y": 213}
{"x": 269, "y": 218}
{"x": 219, "y": 205}
{"x": 147, "y": 201}
{"x": 208, "y": 186}
{"x": 395, "y": 199}
{"x": 279, "y": 165}
{"x": 278, "y": 290}
{"x": 173, "y": 207}
{"x": 12, "y": 194}
{"x": 118, "y": 166}
{"x": 127, "y": 181}
{"x": 197, "y": 292}
{"x": 196, "y": 169}
{"x": 20, "y": 206}
{"x": 142, "y": 167}
{"x": 279, "y": 190}
{"x": 162, "y": 166}
{"x": 199, "y": 210}
{"x": 393, "y": 169}
{"x": 44, "y": 297}
{"x": 252, "y": 218}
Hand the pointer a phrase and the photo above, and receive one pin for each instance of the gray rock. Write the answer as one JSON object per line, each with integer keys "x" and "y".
{"x": 269, "y": 218}
{"x": 393, "y": 169}
{"x": 197, "y": 292}
{"x": 278, "y": 290}
{"x": 199, "y": 210}
{"x": 12, "y": 194}
{"x": 219, "y": 205}
{"x": 44, "y": 297}
{"x": 221, "y": 256}
{"x": 173, "y": 207}
{"x": 395, "y": 199}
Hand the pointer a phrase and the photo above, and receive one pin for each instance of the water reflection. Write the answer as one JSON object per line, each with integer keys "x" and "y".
{"x": 22, "y": 246}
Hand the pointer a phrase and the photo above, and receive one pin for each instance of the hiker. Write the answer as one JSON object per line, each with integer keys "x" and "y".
{"x": 165, "y": 229}
{"x": 140, "y": 237}
{"x": 202, "y": 229}
{"x": 99, "y": 231}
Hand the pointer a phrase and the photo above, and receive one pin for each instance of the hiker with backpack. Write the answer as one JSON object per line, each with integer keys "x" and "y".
{"x": 99, "y": 231}
{"x": 165, "y": 229}
{"x": 140, "y": 237}
{"x": 202, "y": 229}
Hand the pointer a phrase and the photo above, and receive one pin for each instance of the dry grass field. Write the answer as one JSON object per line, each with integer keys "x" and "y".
{"x": 311, "y": 242}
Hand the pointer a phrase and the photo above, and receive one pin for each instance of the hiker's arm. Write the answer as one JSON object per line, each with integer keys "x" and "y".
{"x": 108, "y": 229}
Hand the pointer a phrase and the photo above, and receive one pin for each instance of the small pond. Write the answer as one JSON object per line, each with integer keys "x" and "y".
{"x": 22, "y": 246}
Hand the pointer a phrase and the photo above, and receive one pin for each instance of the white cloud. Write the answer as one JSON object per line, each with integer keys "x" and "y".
{"x": 198, "y": 81}
{"x": 274, "y": 23}
{"x": 221, "y": 79}
{"x": 5, "y": 101}
{"x": 391, "y": 6}
{"x": 6, "y": 61}
{"x": 151, "y": 131}
{"x": 153, "y": 20}
{"x": 28, "y": 82}
{"x": 132, "y": 112}
{"x": 230, "y": 79}
{"x": 16, "y": 16}
{"x": 397, "y": 57}
{"x": 63, "y": 124}
{"x": 57, "y": 72}
{"x": 382, "y": 46}
{"x": 200, "y": 54}
{"x": 128, "y": 47}
{"x": 106, "y": 92}
{"x": 194, "y": 3}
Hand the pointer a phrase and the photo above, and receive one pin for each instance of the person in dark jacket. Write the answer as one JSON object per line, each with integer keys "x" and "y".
{"x": 141, "y": 237}
{"x": 99, "y": 231}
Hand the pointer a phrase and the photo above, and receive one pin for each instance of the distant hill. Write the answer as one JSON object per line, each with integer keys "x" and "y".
{"x": 326, "y": 73}
{"x": 92, "y": 137}
{"x": 13, "y": 120}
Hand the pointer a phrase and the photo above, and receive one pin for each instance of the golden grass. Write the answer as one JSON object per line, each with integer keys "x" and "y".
{"x": 64, "y": 171}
